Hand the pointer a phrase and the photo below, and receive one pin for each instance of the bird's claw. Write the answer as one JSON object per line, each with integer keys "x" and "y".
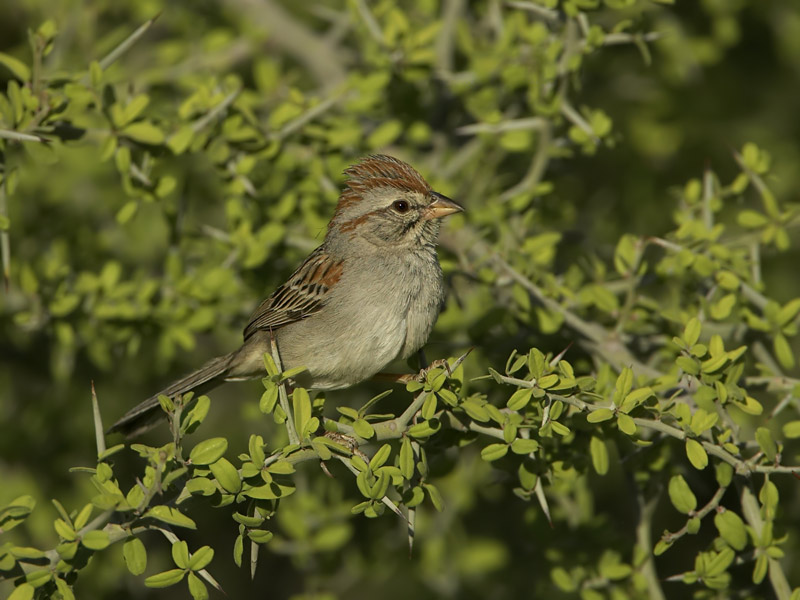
{"x": 423, "y": 373}
{"x": 348, "y": 441}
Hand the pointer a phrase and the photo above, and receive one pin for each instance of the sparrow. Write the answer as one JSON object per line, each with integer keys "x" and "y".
{"x": 369, "y": 294}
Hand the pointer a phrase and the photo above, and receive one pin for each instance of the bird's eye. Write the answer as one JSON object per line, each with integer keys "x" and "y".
{"x": 401, "y": 206}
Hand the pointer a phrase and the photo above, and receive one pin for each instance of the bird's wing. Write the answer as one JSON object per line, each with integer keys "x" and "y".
{"x": 301, "y": 296}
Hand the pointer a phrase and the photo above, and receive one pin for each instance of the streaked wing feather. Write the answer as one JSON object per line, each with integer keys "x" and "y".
{"x": 300, "y": 297}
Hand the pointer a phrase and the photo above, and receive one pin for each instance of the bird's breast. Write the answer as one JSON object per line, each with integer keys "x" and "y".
{"x": 378, "y": 311}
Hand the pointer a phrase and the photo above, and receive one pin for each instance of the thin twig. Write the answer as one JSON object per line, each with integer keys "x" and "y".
{"x": 201, "y": 123}
{"x": 311, "y": 114}
{"x": 283, "y": 396}
{"x": 574, "y": 117}
{"x": 615, "y": 39}
{"x": 5, "y": 242}
{"x": 539, "y": 162}
{"x": 112, "y": 57}
{"x": 530, "y": 123}
{"x": 536, "y": 9}
{"x": 645, "y": 543}
{"x": 22, "y": 137}
{"x": 710, "y": 505}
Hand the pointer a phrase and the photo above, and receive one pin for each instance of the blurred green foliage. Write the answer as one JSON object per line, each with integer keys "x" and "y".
{"x": 623, "y": 270}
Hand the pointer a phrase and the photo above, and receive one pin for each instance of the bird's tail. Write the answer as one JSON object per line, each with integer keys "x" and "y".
{"x": 144, "y": 416}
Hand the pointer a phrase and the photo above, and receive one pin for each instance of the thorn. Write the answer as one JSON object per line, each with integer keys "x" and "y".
{"x": 557, "y": 358}
{"x": 324, "y": 467}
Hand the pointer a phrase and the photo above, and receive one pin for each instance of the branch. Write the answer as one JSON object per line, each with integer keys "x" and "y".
{"x": 710, "y": 505}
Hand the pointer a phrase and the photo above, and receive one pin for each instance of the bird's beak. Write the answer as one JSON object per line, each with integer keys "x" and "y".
{"x": 441, "y": 207}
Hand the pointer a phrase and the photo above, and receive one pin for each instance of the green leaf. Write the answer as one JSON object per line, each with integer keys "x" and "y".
{"x": 424, "y": 429}
{"x": 201, "y": 558}
{"x": 635, "y": 398}
{"x": 171, "y": 516}
{"x": 599, "y": 452}
{"x": 238, "y": 550}
{"x": 226, "y": 475}
{"x": 767, "y": 444}
{"x": 760, "y": 569}
{"x": 494, "y": 452}
{"x": 783, "y": 351}
{"x": 180, "y": 554}
{"x": 200, "y": 485}
{"x": 260, "y": 536}
{"x": 626, "y": 424}
{"x": 301, "y": 406}
{"x": 406, "y": 461}
{"x": 693, "y": 525}
{"x": 165, "y": 579}
{"x": 788, "y": 312}
{"x": 719, "y": 562}
{"x": 18, "y": 68}
{"x": 380, "y": 457}
{"x": 547, "y": 381}
{"x": 600, "y": 415}
{"x": 724, "y": 474}
{"x": 751, "y": 406}
{"x": 791, "y": 429}
{"x": 563, "y": 580}
{"x": 64, "y": 589}
{"x": 625, "y": 254}
{"x": 727, "y": 280}
{"x": 95, "y": 540}
{"x": 520, "y": 399}
{"x": 524, "y": 446}
{"x": 383, "y": 135}
{"x": 64, "y": 530}
{"x": 435, "y": 496}
{"x": 16, "y": 512}
{"x": 363, "y": 429}
{"x": 268, "y": 399}
{"x": 475, "y": 410}
{"x": 135, "y": 555}
{"x": 681, "y": 495}
{"x": 281, "y": 467}
{"x": 721, "y": 309}
{"x": 661, "y": 547}
{"x": 208, "y": 451}
{"x": 691, "y": 333}
{"x": 134, "y": 108}
{"x": 180, "y": 140}
{"x": 24, "y": 591}
{"x": 197, "y": 588}
{"x": 270, "y": 491}
{"x": 768, "y": 496}
{"x": 702, "y": 421}
{"x": 689, "y": 365}
{"x": 696, "y": 454}
{"x": 144, "y": 132}
{"x": 751, "y": 219}
{"x": 623, "y": 385}
{"x": 731, "y": 528}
